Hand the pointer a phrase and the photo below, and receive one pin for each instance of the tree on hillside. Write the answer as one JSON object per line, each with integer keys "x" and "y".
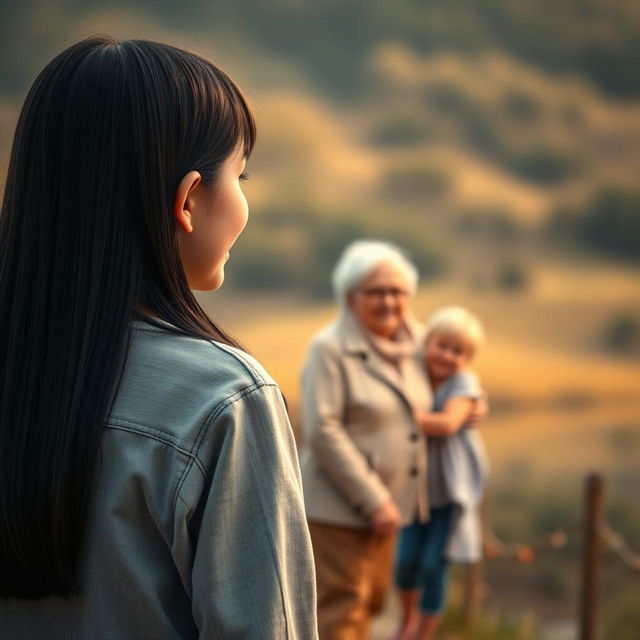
{"x": 609, "y": 224}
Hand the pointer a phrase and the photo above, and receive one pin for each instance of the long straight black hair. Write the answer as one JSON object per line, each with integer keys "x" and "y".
{"x": 87, "y": 236}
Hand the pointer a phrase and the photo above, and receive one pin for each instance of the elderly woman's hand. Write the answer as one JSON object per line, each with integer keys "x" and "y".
{"x": 386, "y": 518}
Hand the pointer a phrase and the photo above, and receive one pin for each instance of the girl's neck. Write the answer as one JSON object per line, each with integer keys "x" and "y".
{"x": 145, "y": 312}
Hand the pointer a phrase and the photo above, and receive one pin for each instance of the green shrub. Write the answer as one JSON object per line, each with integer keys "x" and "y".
{"x": 449, "y": 99}
{"x": 554, "y": 581}
{"x": 495, "y": 222}
{"x": 521, "y": 106}
{"x": 260, "y": 263}
{"x": 622, "y": 617}
{"x": 513, "y": 277}
{"x": 543, "y": 164}
{"x": 417, "y": 182}
{"x": 329, "y": 237}
{"x": 262, "y": 269}
{"x": 281, "y": 250}
{"x": 399, "y": 131}
{"x": 611, "y": 223}
{"x": 489, "y": 625}
{"x": 621, "y": 333}
{"x": 429, "y": 260}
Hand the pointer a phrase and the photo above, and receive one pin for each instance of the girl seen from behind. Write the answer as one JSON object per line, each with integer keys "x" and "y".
{"x": 149, "y": 484}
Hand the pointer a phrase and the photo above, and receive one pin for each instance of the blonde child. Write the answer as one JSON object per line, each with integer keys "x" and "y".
{"x": 456, "y": 475}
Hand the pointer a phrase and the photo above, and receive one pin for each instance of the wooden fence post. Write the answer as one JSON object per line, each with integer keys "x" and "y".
{"x": 473, "y": 584}
{"x": 591, "y": 555}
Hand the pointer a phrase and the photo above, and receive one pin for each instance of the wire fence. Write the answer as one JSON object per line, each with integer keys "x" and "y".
{"x": 596, "y": 536}
{"x": 620, "y": 546}
{"x": 528, "y": 552}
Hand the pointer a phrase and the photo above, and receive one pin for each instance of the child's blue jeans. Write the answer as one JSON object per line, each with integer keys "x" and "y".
{"x": 420, "y": 559}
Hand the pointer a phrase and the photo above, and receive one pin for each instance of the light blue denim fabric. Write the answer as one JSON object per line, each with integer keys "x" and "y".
{"x": 196, "y": 526}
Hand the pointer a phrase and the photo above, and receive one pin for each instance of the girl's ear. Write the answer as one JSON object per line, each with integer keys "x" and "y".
{"x": 183, "y": 205}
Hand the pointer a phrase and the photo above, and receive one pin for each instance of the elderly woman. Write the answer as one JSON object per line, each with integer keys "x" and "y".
{"x": 363, "y": 459}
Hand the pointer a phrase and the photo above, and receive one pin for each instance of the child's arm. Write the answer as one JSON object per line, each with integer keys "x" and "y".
{"x": 480, "y": 409}
{"x": 445, "y": 423}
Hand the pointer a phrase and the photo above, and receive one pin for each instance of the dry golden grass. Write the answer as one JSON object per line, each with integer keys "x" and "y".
{"x": 541, "y": 345}
{"x": 305, "y": 146}
{"x": 477, "y": 185}
{"x": 543, "y": 443}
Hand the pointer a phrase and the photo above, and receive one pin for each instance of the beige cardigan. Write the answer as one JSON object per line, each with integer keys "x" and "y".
{"x": 361, "y": 445}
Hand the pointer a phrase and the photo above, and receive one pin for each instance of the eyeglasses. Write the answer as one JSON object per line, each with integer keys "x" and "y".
{"x": 378, "y": 293}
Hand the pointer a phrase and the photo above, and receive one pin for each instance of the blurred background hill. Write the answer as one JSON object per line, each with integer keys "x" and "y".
{"x": 499, "y": 143}
{"x": 419, "y": 121}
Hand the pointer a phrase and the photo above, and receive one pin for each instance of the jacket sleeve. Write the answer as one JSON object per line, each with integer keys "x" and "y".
{"x": 253, "y": 574}
{"x": 324, "y": 406}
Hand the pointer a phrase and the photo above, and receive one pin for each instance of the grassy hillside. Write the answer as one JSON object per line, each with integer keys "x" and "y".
{"x": 434, "y": 140}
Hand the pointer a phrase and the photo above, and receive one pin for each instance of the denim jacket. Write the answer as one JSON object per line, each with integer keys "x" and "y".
{"x": 196, "y": 526}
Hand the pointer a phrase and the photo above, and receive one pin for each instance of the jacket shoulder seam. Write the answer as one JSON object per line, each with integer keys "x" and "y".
{"x": 239, "y": 357}
{"x": 215, "y": 413}
{"x": 153, "y": 434}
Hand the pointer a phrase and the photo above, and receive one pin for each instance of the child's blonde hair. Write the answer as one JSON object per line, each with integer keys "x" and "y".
{"x": 456, "y": 320}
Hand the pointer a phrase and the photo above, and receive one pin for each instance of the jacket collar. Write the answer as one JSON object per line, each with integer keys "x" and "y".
{"x": 354, "y": 342}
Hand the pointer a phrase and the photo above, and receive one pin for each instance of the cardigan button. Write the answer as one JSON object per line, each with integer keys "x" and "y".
{"x": 413, "y": 472}
{"x": 413, "y": 437}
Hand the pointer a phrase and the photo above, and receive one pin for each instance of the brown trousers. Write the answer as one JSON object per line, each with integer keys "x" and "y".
{"x": 353, "y": 568}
